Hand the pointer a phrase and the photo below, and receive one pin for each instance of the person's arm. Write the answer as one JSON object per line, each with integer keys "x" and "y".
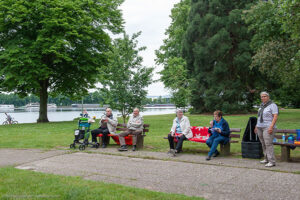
{"x": 138, "y": 123}
{"x": 274, "y": 110}
{"x": 225, "y": 129}
{"x": 187, "y": 127}
{"x": 172, "y": 131}
{"x": 113, "y": 121}
{"x": 275, "y": 117}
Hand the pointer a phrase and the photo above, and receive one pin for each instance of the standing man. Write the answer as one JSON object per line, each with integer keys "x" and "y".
{"x": 266, "y": 126}
{"x": 108, "y": 124}
{"x": 135, "y": 127}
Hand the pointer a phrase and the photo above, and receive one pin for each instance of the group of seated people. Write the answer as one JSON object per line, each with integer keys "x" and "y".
{"x": 219, "y": 130}
{"x": 180, "y": 131}
{"x": 108, "y": 124}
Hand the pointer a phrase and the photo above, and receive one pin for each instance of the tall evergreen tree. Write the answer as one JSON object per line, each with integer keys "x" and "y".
{"x": 218, "y": 55}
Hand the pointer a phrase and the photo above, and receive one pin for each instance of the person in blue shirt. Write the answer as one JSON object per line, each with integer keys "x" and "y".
{"x": 220, "y": 134}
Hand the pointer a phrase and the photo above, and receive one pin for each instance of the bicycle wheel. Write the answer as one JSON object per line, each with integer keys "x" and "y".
{"x": 14, "y": 122}
{"x": 5, "y": 123}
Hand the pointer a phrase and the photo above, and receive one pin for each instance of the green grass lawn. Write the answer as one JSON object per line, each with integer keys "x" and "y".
{"x": 60, "y": 134}
{"x": 24, "y": 184}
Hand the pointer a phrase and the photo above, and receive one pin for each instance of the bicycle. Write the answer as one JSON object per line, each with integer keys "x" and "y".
{"x": 13, "y": 121}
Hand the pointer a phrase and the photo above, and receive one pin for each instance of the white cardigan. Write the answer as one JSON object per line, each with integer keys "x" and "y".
{"x": 184, "y": 125}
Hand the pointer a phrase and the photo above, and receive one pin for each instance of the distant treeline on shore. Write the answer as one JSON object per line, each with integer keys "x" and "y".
{"x": 91, "y": 98}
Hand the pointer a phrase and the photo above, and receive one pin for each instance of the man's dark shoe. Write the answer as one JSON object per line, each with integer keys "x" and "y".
{"x": 95, "y": 145}
{"x": 216, "y": 154}
{"x": 134, "y": 148}
{"x": 208, "y": 158}
{"x": 123, "y": 148}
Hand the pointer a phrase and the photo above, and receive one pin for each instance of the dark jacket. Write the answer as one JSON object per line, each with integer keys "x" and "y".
{"x": 225, "y": 130}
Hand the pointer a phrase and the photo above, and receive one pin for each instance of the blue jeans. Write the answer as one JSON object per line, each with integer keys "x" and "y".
{"x": 213, "y": 142}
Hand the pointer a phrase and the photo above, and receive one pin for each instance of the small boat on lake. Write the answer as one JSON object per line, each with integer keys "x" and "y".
{"x": 36, "y": 106}
{"x": 7, "y": 107}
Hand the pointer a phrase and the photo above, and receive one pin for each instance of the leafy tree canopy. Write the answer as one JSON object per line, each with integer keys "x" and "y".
{"x": 125, "y": 82}
{"x": 276, "y": 43}
{"x": 54, "y": 46}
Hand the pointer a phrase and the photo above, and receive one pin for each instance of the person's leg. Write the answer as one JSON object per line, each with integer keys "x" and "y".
{"x": 171, "y": 141}
{"x": 94, "y": 133}
{"x": 105, "y": 138}
{"x": 122, "y": 140}
{"x": 134, "y": 136}
{"x": 179, "y": 143}
{"x": 209, "y": 141}
{"x": 215, "y": 144}
{"x": 268, "y": 138}
{"x": 262, "y": 141}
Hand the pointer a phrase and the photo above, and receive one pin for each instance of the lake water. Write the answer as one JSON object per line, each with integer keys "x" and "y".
{"x": 57, "y": 115}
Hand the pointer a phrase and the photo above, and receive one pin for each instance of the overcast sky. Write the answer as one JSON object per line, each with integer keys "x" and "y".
{"x": 152, "y": 18}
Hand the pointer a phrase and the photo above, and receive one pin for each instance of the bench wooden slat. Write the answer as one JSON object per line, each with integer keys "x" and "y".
{"x": 286, "y": 144}
{"x": 235, "y": 135}
{"x": 235, "y": 130}
{"x": 286, "y": 131}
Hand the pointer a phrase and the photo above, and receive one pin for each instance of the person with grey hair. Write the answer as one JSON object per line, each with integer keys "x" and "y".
{"x": 135, "y": 127}
{"x": 180, "y": 131}
{"x": 266, "y": 126}
{"x": 108, "y": 124}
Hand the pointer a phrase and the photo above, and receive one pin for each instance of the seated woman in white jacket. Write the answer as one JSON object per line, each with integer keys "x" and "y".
{"x": 181, "y": 129}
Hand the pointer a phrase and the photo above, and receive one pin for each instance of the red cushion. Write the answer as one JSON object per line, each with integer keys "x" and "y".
{"x": 200, "y": 134}
{"x": 128, "y": 139}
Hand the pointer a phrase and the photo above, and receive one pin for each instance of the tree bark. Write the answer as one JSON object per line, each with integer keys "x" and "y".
{"x": 43, "y": 102}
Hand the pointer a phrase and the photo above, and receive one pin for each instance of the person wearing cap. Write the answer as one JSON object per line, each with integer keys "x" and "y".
{"x": 135, "y": 127}
{"x": 265, "y": 128}
{"x": 181, "y": 130}
{"x": 108, "y": 124}
{"x": 220, "y": 131}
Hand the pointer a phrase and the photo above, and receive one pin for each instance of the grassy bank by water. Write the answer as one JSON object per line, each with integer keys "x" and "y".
{"x": 60, "y": 134}
{"x": 23, "y": 184}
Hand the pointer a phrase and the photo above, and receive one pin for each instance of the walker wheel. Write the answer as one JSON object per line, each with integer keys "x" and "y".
{"x": 81, "y": 147}
{"x": 72, "y": 146}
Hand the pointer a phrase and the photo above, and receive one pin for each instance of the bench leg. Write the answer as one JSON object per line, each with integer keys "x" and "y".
{"x": 101, "y": 140}
{"x": 225, "y": 149}
{"x": 285, "y": 153}
{"x": 140, "y": 142}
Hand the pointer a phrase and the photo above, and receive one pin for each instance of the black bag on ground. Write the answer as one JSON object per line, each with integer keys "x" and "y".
{"x": 251, "y": 146}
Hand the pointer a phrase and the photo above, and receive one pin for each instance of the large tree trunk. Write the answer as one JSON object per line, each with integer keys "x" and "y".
{"x": 43, "y": 102}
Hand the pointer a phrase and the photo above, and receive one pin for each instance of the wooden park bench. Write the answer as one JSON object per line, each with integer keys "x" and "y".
{"x": 224, "y": 149}
{"x": 122, "y": 127}
{"x": 285, "y": 147}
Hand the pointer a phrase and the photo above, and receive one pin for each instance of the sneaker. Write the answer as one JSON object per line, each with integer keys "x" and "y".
{"x": 173, "y": 152}
{"x": 270, "y": 164}
{"x": 208, "y": 158}
{"x": 134, "y": 148}
{"x": 123, "y": 148}
{"x": 216, "y": 153}
{"x": 170, "y": 151}
{"x": 264, "y": 161}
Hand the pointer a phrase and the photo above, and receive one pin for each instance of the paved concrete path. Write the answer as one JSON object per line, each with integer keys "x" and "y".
{"x": 222, "y": 178}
